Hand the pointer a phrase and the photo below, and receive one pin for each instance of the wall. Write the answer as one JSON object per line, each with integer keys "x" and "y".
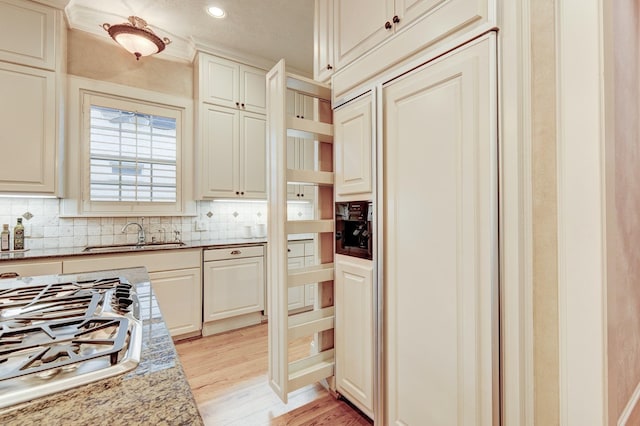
{"x": 100, "y": 58}
{"x": 544, "y": 203}
{"x": 623, "y": 220}
{"x": 44, "y": 228}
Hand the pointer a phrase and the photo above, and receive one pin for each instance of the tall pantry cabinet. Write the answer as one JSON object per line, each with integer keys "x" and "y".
{"x": 432, "y": 326}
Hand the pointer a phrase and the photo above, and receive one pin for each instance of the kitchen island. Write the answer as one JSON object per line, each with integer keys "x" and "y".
{"x": 155, "y": 392}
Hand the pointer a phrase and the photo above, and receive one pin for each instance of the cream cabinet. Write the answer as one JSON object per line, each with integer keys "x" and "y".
{"x": 28, "y": 268}
{"x": 31, "y": 53}
{"x": 355, "y": 331}
{"x": 175, "y": 277}
{"x": 390, "y": 31}
{"x": 28, "y": 122}
{"x": 373, "y": 18}
{"x": 232, "y": 153}
{"x": 300, "y": 151}
{"x": 179, "y": 295}
{"x": 296, "y": 295}
{"x": 353, "y": 145}
{"x": 323, "y": 63}
{"x": 440, "y": 162}
{"x": 28, "y": 34}
{"x": 380, "y": 19}
{"x": 231, "y": 84}
{"x": 301, "y": 254}
{"x": 233, "y": 288}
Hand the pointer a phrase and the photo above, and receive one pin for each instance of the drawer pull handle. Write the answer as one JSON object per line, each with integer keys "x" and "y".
{"x": 9, "y": 275}
{"x": 236, "y": 252}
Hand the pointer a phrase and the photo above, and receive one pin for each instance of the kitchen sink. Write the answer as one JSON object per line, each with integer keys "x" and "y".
{"x": 132, "y": 247}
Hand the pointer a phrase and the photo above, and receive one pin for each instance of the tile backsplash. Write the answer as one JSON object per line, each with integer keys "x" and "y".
{"x": 44, "y": 228}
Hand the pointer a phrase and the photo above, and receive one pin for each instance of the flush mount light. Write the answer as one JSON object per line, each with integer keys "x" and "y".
{"x": 137, "y": 37}
{"x": 216, "y": 12}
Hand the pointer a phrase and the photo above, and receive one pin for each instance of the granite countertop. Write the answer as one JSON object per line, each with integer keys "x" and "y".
{"x": 79, "y": 251}
{"x": 156, "y": 392}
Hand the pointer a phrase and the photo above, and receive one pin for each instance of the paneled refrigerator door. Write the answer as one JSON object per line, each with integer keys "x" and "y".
{"x": 441, "y": 243}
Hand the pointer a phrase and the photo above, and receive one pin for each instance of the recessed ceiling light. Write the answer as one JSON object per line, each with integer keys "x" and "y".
{"x": 216, "y": 12}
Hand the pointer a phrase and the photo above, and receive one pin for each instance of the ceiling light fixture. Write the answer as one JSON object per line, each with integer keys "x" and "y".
{"x": 137, "y": 37}
{"x": 216, "y": 12}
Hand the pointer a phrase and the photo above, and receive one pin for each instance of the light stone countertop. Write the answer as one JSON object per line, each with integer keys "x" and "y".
{"x": 156, "y": 392}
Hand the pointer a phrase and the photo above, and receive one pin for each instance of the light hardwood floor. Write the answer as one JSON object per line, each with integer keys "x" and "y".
{"x": 228, "y": 377}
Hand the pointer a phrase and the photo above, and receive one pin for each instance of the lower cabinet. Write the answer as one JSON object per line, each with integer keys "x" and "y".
{"x": 354, "y": 331}
{"x": 301, "y": 254}
{"x": 179, "y": 295}
{"x": 234, "y": 286}
{"x": 175, "y": 277}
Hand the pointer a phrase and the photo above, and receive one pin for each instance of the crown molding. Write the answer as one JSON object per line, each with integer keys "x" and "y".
{"x": 84, "y": 18}
{"x": 58, "y": 4}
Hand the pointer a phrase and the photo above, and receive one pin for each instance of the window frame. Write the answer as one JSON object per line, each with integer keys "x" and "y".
{"x": 81, "y": 93}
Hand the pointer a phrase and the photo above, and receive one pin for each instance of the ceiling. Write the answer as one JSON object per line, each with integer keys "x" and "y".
{"x": 264, "y": 30}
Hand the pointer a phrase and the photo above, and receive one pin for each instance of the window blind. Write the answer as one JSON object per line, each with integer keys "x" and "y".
{"x": 132, "y": 156}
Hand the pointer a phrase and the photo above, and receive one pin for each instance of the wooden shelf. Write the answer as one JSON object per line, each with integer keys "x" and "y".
{"x": 310, "y": 177}
{"x": 310, "y": 275}
{"x": 309, "y": 226}
{"x": 311, "y": 322}
{"x": 308, "y": 86}
{"x": 311, "y": 370}
{"x": 309, "y": 129}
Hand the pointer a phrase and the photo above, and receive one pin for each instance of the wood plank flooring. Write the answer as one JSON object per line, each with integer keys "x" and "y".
{"x": 228, "y": 377}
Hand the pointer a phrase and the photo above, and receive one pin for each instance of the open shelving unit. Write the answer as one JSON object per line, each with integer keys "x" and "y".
{"x": 285, "y": 376}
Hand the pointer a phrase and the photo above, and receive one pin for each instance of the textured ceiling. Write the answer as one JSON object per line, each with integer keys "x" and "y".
{"x": 266, "y": 29}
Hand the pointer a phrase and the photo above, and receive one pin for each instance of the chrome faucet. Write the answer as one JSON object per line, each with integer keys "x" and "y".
{"x": 141, "y": 237}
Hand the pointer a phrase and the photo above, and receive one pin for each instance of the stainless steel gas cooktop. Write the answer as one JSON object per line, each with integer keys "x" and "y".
{"x": 56, "y": 334}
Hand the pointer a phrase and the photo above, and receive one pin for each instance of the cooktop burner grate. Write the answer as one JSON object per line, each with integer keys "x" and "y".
{"x": 56, "y": 334}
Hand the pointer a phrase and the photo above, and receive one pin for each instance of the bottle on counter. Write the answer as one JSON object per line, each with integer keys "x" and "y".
{"x": 5, "y": 236}
{"x": 18, "y": 235}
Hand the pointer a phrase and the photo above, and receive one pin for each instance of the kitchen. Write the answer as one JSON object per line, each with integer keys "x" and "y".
{"x": 371, "y": 80}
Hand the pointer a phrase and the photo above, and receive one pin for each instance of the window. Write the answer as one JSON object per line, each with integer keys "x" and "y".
{"x": 130, "y": 152}
{"x": 132, "y": 156}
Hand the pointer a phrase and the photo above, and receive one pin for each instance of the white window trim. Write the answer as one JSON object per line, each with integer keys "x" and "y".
{"x": 74, "y": 204}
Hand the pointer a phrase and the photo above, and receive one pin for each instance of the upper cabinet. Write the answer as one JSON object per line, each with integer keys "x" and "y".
{"x": 228, "y": 83}
{"x": 389, "y": 31}
{"x": 353, "y": 144}
{"x": 323, "y": 62}
{"x": 31, "y": 40}
{"x": 233, "y": 153}
{"x": 28, "y": 33}
{"x": 300, "y": 151}
{"x": 231, "y": 129}
{"x": 374, "y": 25}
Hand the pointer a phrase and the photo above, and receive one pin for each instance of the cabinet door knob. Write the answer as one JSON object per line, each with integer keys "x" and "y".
{"x": 237, "y": 104}
{"x": 236, "y": 252}
{"x": 237, "y": 192}
{"x": 329, "y": 67}
{"x": 242, "y": 193}
{"x": 242, "y": 105}
{"x": 387, "y": 25}
{"x": 302, "y": 195}
{"x": 396, "y": 19}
